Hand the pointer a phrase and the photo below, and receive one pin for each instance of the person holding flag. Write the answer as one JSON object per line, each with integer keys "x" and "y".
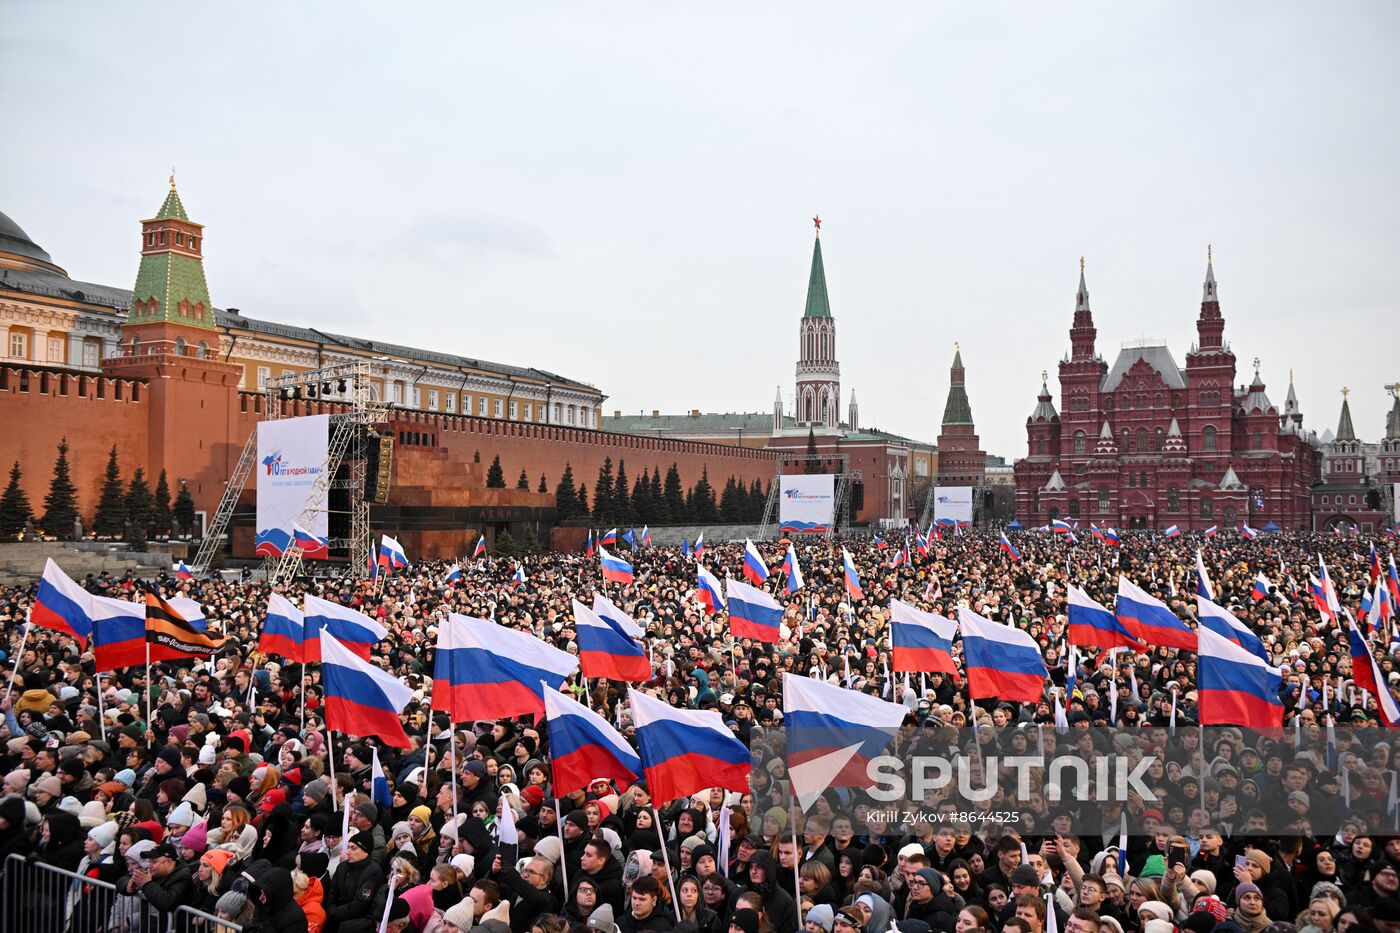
{"x": 792, "y": 571}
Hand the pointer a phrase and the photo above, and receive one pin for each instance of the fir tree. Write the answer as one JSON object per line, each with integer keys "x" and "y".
{"x": 758, "y": 501}
{"x": 730, "y": 508}
{"x": 565, "y": 495}
{"x": 139, "y": 506}
{"x": 661, "y": 509}
{"x": 183, "y": 510}
{"x": 814, "y": 465}
{"x": 702, "y": 504}
{"x": 621, "y": 498}
{"x": 110, "y": 519}
{"x": 581, "y": 504}
{"x": 544, "y": 486}
{"x": 161, "y": 513}
{"x": 641, "y": 500}
{"x": 603, "y": 493}
{"x": 505, "y": 544}
{"x": 673, "y": 495}
{"x": 524, "y": 481}
{"x": 529, "y": 542}
{"x": 15, "y": 512}
{"x": 495, "y": 476}
{"x": 61, "y": 504}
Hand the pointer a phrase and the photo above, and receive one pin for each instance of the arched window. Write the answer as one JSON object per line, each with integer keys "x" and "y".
{"x": 810, "y": 405}
{"x": 1040, "y": 445}
{"x": 1141, "y": 400}
{"x": 1074, "y": 508}
{"x": 1258, "y": 440}
{"x": 1157, "y": 440}
{"x": 135, "y": 345}
{"x": 1103, "y": 498}
{"x": 1173, "y": 498}
{"x": 1229, "y": 516}
{"x": 1080, "y": 440}
{"x": 179, "y": 346}
{"x": 1207, "y": 508}
{"x": 1142, "y": 440}
{"x": 1208, "y": 437}
{"x": 1132, "y": 480}
{"x": 824, "y": 351}
{"x": 203, "y": 349}
{"x": 1127, "y": 444}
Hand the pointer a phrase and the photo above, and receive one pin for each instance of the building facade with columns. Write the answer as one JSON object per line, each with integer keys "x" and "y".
{"x": 1144, "y": 443}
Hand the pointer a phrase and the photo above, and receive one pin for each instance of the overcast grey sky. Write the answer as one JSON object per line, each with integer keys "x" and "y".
{"x": 621, "y": 192}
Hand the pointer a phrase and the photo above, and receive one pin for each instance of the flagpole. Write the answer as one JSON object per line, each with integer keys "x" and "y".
{"x": 452, "y": 770}
{"x": 330, "y": 756}
{"x": 666, "y": 856}
{"x": 796, "y": 862}
{"x": 101, "y": 712}
{"x": 148, "y": 693}
{"x": 559, "y": 828}
{"x": 19, "y": 655}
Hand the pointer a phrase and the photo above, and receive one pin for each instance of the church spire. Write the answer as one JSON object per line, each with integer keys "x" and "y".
{"x": 1345, "y": 431}
{"x": 170, "y": 284}
{"x": 1210, "y": 326}
{"x": 1083, "y": 334}
{"x": 958, "y": 410}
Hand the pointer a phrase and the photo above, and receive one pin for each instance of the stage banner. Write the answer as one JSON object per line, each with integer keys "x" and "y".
{"x": 807, "y": 503}
{"x": 291, "y": 455}
{"x": 952, "y": 504}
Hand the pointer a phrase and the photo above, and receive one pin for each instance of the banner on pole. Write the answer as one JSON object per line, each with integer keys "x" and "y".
{"x": 291, "y": 455}
{"x": 806, "y": 504}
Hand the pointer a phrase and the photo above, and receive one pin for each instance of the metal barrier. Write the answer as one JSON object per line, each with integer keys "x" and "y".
{"x": 39, "y": 898}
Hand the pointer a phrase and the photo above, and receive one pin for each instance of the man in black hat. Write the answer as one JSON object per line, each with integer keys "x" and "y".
{"x": 358, "y": 888}
{"x": 365, "y": 819}
{"x": 165, "y": 883}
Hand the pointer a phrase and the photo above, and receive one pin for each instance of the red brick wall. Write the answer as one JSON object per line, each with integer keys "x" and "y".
{"x": 34, "y": 420}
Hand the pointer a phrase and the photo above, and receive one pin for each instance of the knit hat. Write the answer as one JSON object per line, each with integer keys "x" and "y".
{"x": 19, "y": 779}
{"x": 232, "y": 904}
{"x": 822, "y": 915}
{"x": 1154, "y": 867}
{"x": 104, "y": 834}
{"x": 1157, "y": 909}
{"x": 745, "y": 919}
{"x": 1157, "y": 926}
{"x": 602, "y": 919}
{"x": 140, "y": 851}
{"x": 1204, "y": 878}
{"x": 1022, "y": 874}
{"x": 848, "y": 915}
{"x": 48, "y": 784}
{"x": 1212, "y": 905}
{"x": 368, "y": 810}
{"x": 462, "y": 913}
{"x": 532, "y": 795}
{"x": 197, "y": 839}
{"x": 217, "y": 859}
{"x": 363, "y": 841}
{"x": 125, "y": 776}
{"x": 401, "y": 828}
{"x": 1260, "y": 858}
{"x": 425, "y": 816}
{"x": 315, "y": 791}
{"x": 1247, "y": 887}
{"x": 92, "y": 814}
{"x": 182, "y": 815}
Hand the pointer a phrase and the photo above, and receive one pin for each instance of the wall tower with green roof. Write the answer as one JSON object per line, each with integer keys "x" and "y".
{"x": 170, "y": 286}
{"x": 961, "y": 459}
{"x": 818, "y": 398}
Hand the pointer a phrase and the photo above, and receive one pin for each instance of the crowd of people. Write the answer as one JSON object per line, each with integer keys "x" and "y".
{"x": 222, "y": 799}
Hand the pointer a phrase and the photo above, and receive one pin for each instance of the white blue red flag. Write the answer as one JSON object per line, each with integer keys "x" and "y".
{"x": 621, "y": 620}
{"x": 1247, "y": 532}
{"x": 754, "y": 567}
{"x": 1234, "y": 687}
{"x": 356, "y": 631}
{"x": 1203, "y": 585}
{"x": 921, "y": 641}
{"x": 518, "y": 577}
{"x": 1223, "y": 622}
{"x": 487, "y": 671}
{"x": 1000, "y": 661}
{"x": 361, "y": 699}
{"x": 454, "y": 574}
{"x": 605, "y": 650}
{"x": 62, "y": 605}
{"x": 1367, "y": 675}
{"x": 848, "y": 568}
{"x": 312, "y": 547}
{"x": 699, "y": 549}
{"x": 615, "y": 569}
{"x": 1009, "y": 548}
{"x": 1150, "y": 619}
{"x": 1261, "y": 587}
{"x": 832, "y": 734}
{"x": 392, "y": 554}
{"x": 1171, "y": 532}
{"x": 583, "y": 746}
{"x": 752, "y": 612}
{"x": 707, "y": 590}
{"x": 283, "y": 629}
{"x": 609, "y": 537}
{"x": 1091, "y": 624}
{"x": 479, "y": 549}
{"x": 183, "y": 572}
{"x": 685, "y": 750}
{"x": 379, "y": 784}
{"x": 118, "y": 633}
{"x": 792, "y": 571}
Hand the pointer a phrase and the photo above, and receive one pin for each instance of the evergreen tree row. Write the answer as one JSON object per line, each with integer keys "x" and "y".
{"x": 651, "y": 500}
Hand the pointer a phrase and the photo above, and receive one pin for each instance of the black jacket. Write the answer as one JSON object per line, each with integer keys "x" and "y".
{"x": 608, "y": 880}
{"x": 357, "y": 892}
{"x": 278, "y": 911}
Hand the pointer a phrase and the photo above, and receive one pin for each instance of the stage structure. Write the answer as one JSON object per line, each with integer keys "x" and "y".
{"x": 845, "y": 480}
{"x": 347, "y": 384}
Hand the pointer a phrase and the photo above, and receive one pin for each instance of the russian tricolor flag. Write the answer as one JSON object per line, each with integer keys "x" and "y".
{"x": 356, "y": 631}
{"x": 1172, "y": 532}
{"x": 1261, "y": 587}
{"x": 1319, "y": 595}
{"x": 63, "y": 605}
{"x": 311, "y": 546}
{"x": 646, "y": 536}
{"x": 191, "y": 611}
{"x": 792, "y": 572}
{"x": 1000, "y": 661}
{"x": 454, "y": 573}
{"x": 848, "y": 567}
{"x": 583, "y": 746}
{"x": 361, "y": 699}
{"x": 183, "y": 572}
{"x": 1212, "y": 531}
{"x": 754, "y": 567}
{"x": 1392, "y": 582}
{"x": 118, "y": 633}
{"x": 685, "y": 750}
{"x": 487, "y": 671}
{"x": 379, "y": 784}
{"x": 605, "y": 650}
{"x": 609, "y": 537}
{"x": 1007, "y": 546}
{"x": 1150, "y": 619}
{"x": 699, "y": 549}
{"x": 1090, "y": 624}
{"x": 707, "y": 590}
{"x": 391, "y": 553}
{"x": 752, "y": 612}
{"x": 1328, "y": 590}
{"x": 479, "y": 549}
{"x": 1235, "y": 688}
{"x": 832, "y": 735}
{"x": 373, "y": 568}
{"x": 1203, "y": 585}
{"x": 1368, "y": 676}
{"x": 283, "y": 629}
{"x": 1222, "y": 622}
{"x": 921, "y": 641}
{"x": 615, "y": 569}
{"x": 1247, "y": 532}
{"x": 921, "y": 543}
{"x": 901, "y": 556}
{"x": 1061, "y": 527}
{"x": 518, "y": 577}
{"x": 619, "y": 619}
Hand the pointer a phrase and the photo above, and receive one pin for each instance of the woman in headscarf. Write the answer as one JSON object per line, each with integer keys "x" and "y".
{"x": 877, "y": 912}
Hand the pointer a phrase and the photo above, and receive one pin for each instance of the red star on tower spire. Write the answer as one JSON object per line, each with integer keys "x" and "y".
{"x": 817, "y": 222}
